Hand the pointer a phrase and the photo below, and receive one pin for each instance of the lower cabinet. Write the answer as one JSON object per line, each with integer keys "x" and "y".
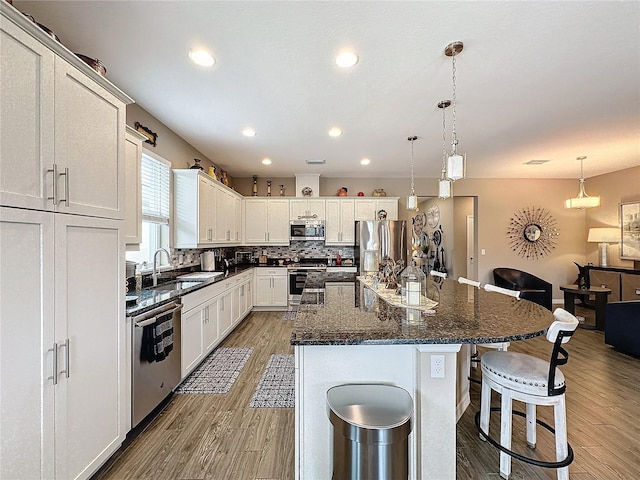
{"x": 209, "y": 315}
{"x": 64, "y": 392}
{"x": 270, "y": 287}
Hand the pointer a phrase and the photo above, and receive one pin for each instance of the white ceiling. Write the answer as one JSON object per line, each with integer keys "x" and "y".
{"x": 536, "y": 80}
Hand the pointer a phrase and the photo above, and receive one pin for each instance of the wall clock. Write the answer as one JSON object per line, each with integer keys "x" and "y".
{"x": 433, "y": 216}
{"x": 532, "y": 232}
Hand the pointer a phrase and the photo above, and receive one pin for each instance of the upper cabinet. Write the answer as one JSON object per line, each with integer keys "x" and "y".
{"x": 340, "y": 223}
{"x": 368, "y": 208}
{"x": 206, "y": 212}
{"x": 73, "y": 163}
{"x": 132, "y": 188}
{"x": 307, "y": 209}
{"x": 266, "y": 221}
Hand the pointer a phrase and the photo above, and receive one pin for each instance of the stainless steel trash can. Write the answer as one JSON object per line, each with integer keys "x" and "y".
{"x": 371, "y": 427}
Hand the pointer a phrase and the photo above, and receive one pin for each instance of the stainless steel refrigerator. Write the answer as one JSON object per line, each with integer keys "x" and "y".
{"x": 377, "y": 241}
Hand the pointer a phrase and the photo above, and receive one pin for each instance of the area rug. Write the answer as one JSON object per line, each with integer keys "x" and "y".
{"x": 276, "y": 387}
{"x": 289, "y": 315}
{"x": 217, "y": 372}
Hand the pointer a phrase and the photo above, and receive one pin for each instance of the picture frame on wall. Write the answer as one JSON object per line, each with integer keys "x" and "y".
{"x": 630, "y": 225}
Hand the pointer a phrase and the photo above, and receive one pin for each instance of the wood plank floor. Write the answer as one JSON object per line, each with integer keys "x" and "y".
{"x": 220, "y": 437}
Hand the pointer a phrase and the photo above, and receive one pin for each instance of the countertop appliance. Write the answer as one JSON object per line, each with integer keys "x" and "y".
{"x": 298, "y": 272}
{"x": 155, "y": 373}
{"x": 208, "y": 261}
{"x": 377, "y": 240}
{"x": 306, "y": 230}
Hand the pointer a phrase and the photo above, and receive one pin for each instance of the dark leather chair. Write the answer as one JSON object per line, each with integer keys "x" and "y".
{"x": 530, "y": 287}
{"x": 622, "y": 326}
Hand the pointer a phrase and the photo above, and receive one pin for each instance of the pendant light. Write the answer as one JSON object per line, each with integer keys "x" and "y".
{"x": 456, "y": 162}
{"x": 412, "y": 199}
{"x": 445, "y": 186}
{"x": 583, "y": 200}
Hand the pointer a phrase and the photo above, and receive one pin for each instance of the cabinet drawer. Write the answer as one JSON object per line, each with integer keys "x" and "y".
{"x": 630, "y": 287}
{"x": 610, "y": 280}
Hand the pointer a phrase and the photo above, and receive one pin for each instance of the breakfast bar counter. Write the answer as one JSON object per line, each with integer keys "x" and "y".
{"x": 349, "y": 334}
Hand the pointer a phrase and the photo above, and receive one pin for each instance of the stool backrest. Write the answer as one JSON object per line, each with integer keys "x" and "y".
{"x": 469, "y": 282}
{"x": 505, "y": 291}
{"x": 438, "y": 274}
{"x": 559, "y": 332}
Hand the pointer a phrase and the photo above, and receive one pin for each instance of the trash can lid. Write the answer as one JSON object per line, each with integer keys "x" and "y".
{"x": 370, "y": 405}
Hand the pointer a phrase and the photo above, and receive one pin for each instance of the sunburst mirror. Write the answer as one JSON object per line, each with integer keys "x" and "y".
{"x": 532, "y": 232}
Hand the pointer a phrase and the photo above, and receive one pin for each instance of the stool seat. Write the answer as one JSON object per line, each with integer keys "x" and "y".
{"x": 521, "y": 372}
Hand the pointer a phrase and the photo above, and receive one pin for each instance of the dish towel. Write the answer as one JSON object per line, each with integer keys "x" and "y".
{"x": 157, "y": 340}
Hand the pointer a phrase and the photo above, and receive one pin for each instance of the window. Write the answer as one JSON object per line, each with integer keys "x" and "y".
{"x": 155, "y": 179}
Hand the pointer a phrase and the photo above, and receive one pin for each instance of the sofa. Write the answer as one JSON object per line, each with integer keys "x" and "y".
{"x": 622, "y": 326}
{"x": 530, "y": 287}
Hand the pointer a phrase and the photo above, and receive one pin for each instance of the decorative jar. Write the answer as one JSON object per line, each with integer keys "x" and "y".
{"x": 413, "y": 286}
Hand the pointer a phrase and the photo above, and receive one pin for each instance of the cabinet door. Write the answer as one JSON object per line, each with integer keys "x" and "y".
{"x": 92, "y": 397}
{"x": 133, "y": 193}
{"x": 280, "y": 291}
{"x": 206, "y": 211}
{"x": 237, "y": 224}
{"x": 333, "y": 222}
{"x": 278, "y": 232}
{"x": 297, "y": 208}
{"x": 347, "y": 215}
{"x": 225, "y": 314}
{"x": 26, "y": 344}
{"x": 630, "y": 287}
{"x": 389, "y": 205}
{"x": 210, "y": 326}
{"x": 263, "y": 291}
{"x": 191, "y": 339}
{"x": 255, "y": 224}
{"x": 316, "y": 206}
{"x": 223, "y": 217}
{"x": 26, "y": 119}
{"x": 365, "y": 209}
{"x": 89, "y": 145}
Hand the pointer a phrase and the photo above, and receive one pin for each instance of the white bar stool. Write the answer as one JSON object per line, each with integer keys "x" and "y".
{"x": 517, "y": 376}
{"x": 505, "y": 291}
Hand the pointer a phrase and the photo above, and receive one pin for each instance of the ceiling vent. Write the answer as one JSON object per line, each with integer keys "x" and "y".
{"x": 535, "y": 162}
{"x": 317, "y": 161}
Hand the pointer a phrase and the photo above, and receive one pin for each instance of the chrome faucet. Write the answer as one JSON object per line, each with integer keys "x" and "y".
{"x": 155, "y": 274}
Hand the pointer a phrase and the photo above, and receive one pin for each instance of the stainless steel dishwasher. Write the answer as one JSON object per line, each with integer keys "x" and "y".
{"x": 152, "y": 380}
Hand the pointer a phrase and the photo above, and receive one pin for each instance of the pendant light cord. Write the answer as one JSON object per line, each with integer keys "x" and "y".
{"x": 444, "y": 144}
{"x": 412, "y": 139}
{"x": 454, "y": 138}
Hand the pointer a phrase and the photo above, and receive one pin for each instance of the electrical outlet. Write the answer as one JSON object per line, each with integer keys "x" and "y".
{"x": 437, "y": 366}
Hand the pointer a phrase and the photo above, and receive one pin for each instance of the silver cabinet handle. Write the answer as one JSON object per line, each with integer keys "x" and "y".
{"x": 66, "y": 358}
{"x": 54, "y": 189}
{"x": 66, "y": 187}
{"x": 54, "y": 377}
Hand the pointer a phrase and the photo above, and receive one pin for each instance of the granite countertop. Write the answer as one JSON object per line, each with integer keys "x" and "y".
{"x": 352, "y": 314}
{"x": 149, "y": 298}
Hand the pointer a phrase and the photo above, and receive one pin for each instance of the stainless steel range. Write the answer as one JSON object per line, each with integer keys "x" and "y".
{"x": 298, "y": 276}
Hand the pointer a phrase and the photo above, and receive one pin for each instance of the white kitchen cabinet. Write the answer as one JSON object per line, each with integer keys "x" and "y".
{"x": 61, "y": 422}
{"x": 266, "y": 221}
{"x": 61, "y": 130}
{"x": 133, "y": 190}
{"x": 340, "y": 223}
{"x": 192, "y": 349}
{"x": 225, "y": 313}
{"x": 242, "y": 297}
{"x": 270, "y": 287}
{"x": 307, "y": 209}
{"x": 207, "y": 213}
{"x": 368, "y": 208}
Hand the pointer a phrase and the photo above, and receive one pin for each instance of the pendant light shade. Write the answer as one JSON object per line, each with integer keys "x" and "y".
{"x": 412, "y": 198}
{"x": 445, "y": 188}
{"x": 456, "y": 162}
{"x": 583, "y": 200}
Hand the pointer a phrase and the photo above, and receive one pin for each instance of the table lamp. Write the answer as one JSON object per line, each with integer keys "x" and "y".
{"x": 603, "y": 236}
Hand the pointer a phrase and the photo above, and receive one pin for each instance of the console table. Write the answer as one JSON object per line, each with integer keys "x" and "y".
{"x": 571, "y": 292}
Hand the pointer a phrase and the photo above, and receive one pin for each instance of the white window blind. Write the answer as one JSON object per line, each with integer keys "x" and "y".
{"x": 155, "y": 189}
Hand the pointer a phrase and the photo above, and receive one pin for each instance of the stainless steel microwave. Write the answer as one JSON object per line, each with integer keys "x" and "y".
{"x": 306, "y": 230}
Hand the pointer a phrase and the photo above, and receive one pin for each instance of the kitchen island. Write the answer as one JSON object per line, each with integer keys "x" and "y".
{"x": 349, "y": 334}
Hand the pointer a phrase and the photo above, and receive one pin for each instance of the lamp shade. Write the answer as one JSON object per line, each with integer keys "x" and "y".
{"x": 604, "y": 235}
{"x": 582, "y": 202}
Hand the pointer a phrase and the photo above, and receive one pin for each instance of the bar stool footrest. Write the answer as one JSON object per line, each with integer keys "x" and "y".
{"x": 532, "y": 461}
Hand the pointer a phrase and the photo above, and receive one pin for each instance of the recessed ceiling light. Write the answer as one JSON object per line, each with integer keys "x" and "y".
{"x": 266, "y": 161}
{"x": 202, "y": 58}
{"x": 346, "y": 59}
{"x": 335, "y": 132}
{"x": 365, "y": 161}
{"x": 249, "y": 132}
